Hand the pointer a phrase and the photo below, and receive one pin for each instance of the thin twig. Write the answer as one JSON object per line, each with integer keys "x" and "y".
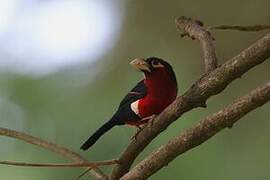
{"x": 207, "y": 86}
{"x": 254, "y": 28}
{"x": 52, "y": 147}
{"x": 199, "y": 133}
{"x": 82, "y": 174}
{"x": 195, "y": 30}
{"x": 65, "y": 165}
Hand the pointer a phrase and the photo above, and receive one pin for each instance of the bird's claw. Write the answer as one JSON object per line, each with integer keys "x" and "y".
{"x": 134, "y": 137}
{"x": 151, "y": 120}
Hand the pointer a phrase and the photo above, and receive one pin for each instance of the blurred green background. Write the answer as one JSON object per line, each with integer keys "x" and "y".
{"x": 67, "y": 105}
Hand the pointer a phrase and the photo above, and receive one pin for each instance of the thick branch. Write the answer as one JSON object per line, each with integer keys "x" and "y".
{"x": 199, "y": 133}
{"x": 207, "y": 86}
{"x": 52, "y": 147}
{"x": 195, "y": 30}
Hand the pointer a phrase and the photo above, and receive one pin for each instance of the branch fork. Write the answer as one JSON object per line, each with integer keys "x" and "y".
{"x": 214, "y": 80}
{"x": 195, "y": 30}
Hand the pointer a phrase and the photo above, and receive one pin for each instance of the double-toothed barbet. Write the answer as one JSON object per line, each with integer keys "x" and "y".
{"x": 148, "y": 98}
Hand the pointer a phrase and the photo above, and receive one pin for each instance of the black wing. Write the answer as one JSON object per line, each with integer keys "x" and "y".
{"x": 138, "y": 92}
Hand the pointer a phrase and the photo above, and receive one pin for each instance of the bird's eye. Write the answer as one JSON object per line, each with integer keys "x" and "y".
{"x": 156, "y": 64}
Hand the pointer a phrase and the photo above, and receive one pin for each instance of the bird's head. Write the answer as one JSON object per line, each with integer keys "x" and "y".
{"x": 154, "y": 67}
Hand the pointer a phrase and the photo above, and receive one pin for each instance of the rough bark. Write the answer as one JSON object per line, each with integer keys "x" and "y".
{"x": 208, "y": 85}
{"x": 199, "y": 133}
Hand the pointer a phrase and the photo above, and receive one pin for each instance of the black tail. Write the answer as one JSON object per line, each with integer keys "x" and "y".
{"x": 101, "y": 131}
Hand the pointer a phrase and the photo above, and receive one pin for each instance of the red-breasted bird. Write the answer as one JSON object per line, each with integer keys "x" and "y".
{"x": 148, "y": 98}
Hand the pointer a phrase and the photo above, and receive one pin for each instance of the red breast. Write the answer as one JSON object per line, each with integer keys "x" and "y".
{"x": 161, "y": 91}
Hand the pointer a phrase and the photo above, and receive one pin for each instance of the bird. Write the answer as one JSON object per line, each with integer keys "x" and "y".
{"x": 147, "y": 99}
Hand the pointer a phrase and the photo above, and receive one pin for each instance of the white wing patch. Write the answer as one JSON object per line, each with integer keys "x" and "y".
{"x": 134, "y": 107}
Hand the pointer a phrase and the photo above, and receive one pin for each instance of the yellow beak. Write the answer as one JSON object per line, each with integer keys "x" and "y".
{"x": 140, "y": 64}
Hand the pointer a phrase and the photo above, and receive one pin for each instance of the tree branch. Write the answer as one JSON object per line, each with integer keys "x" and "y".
{"x": 82, "y": 174}
{"x": 208, "y": 85}
{"x": 199, "y": 133}
{"x": 68, "y": 165}
{"x": 254, "y": 28}
{"x": 54, "y": 148}
{"x": 195, "y": 30}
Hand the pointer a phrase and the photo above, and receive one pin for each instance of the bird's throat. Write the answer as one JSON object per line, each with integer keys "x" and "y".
{"x": 161, "y": 91}
{"x": 160, "y": 85}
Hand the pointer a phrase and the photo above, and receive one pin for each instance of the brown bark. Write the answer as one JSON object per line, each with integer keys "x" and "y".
{"x": 195, "y": 30}
{"x": 199, "y": 133}
{"x": 96, "y": 172}
{"x": 208, "y": 85}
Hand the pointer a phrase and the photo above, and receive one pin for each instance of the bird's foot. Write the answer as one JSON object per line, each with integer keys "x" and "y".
{"x": 139, "y": 129}
{"x": 151, "y": 119}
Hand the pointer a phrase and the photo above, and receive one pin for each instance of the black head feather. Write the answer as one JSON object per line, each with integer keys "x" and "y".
{"x": 154, "y": 60}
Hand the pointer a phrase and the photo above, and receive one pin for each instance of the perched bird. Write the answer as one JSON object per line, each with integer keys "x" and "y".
{"x": 148, "y": 98}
